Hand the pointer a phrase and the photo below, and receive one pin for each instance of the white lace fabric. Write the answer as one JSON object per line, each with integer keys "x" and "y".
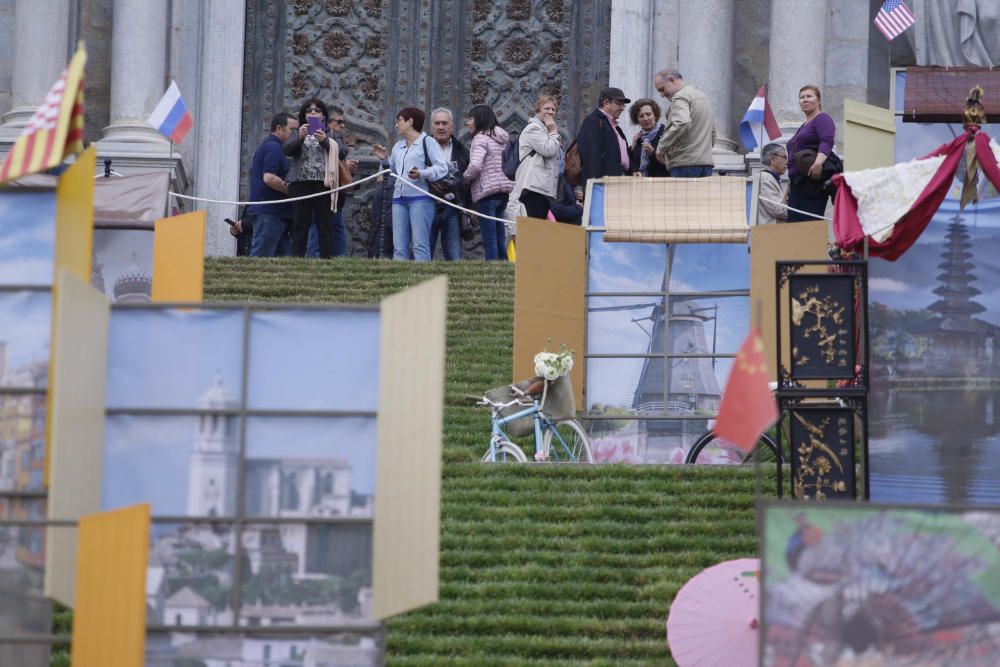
{"x": 885, "y": 194}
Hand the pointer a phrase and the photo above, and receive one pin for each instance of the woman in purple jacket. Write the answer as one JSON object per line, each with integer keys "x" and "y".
{"x": 805, "y": 190}
{"x": 490, "y": 187}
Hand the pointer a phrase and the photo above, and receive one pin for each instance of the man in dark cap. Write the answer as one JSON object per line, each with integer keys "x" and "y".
{"x": 602, "y": 144}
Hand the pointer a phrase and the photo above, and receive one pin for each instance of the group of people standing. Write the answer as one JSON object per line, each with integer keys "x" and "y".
{"x": 306, "y": 155}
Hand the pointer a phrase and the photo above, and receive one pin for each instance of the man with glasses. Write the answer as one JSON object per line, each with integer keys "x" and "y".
{"x": 771, "y": 194}
{"x": 341, "y": 247}
{"x": 601, "y": 142}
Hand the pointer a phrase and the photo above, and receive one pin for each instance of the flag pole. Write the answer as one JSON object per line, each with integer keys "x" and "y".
{"x": 760, "y": 138}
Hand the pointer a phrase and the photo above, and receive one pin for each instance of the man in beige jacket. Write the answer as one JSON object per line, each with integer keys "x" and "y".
{"x": 686, "y": 145}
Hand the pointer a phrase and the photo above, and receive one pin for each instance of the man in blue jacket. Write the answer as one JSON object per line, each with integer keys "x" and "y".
{"x": 602, "y": 144}
{"x": 271, "y": 222}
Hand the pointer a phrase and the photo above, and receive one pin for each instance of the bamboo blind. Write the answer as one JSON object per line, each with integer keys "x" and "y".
{"x": 675, "y": 210}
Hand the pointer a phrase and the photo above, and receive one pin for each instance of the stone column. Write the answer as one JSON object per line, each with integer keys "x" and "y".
{"x": 41, "y": 53}
{"x": 797, "y": 57}
{"x": 631, "y": 66}
{"x": 218, "y": 114}
{"x": 138, "y": 70}
{"x": 705, "y": 58}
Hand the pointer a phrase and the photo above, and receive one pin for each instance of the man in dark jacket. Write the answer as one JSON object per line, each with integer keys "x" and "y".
{"x": 602, "y": 144}
{"x": 446, "y": 222}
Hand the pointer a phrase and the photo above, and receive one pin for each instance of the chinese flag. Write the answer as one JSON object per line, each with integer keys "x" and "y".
{"x": 748, "y": 406}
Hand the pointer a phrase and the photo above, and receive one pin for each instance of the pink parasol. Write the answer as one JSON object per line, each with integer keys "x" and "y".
{"x": 713, "y": 620}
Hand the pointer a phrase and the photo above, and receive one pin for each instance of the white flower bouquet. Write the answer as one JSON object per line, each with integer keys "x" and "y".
{"x": 554, "y": 365}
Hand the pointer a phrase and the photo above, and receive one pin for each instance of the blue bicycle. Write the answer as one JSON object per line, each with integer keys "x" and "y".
{"x": 556, "y": 440}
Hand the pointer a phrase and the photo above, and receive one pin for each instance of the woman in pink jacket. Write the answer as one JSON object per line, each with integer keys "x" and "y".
{"x": 485, "y": 172}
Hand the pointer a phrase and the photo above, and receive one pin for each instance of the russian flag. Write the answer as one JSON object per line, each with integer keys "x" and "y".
{"x": 171, "y": 117}
{"x": 758, "y": 120}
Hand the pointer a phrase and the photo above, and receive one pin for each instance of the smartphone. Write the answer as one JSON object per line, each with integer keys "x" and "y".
{"x": 315, "y": 124}
{"x": 230, "y": 221}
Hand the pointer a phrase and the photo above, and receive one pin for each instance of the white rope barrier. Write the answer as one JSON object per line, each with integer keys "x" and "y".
{"x": 784, "y": 205}
{"x": 403, "y": 180}
{"x": 279, "y": 201}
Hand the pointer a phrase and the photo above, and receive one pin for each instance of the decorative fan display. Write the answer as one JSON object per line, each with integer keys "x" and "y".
{"x": 845, "y": 585}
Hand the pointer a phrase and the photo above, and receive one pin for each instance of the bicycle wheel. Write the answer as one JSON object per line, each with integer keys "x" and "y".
{"x": 571, "y": 445}
{"x": 764, "y": 441}
{"x": 506, "y": 452}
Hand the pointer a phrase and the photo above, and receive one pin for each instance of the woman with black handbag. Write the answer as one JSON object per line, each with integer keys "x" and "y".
{"x": 808, "y": 150}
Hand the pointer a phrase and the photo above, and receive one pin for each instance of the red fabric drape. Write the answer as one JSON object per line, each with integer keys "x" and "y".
{"x": 987, "y": 161}
{"x": 847, "y": 227}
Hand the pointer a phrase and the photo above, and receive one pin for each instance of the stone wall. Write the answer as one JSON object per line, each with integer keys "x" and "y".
{"x": 6, "y": 53}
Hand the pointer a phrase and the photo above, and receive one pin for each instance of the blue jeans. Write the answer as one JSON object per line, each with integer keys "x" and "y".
{"x": 270, "y": 236}
{"x": 447, "y": 225}
{"x": 494, "y": 243}
{"x": 411, "y": 228}
{"x": 690, "y": 172}
{"x": 339, "y": 237}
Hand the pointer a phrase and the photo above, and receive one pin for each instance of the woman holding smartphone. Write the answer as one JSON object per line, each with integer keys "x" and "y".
{"x": 308, "y": 151}
{"x": 417, "y": 158}
{"x": 540, "y": 152}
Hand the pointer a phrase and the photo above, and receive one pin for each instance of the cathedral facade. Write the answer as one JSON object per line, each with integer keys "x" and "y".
{"x": 237, "y": 62}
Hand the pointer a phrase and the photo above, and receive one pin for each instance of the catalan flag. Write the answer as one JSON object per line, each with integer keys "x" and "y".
{"x": 56, "y": 129}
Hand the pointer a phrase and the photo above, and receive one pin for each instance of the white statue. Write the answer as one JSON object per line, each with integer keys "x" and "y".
{"x": 956, "y": 33}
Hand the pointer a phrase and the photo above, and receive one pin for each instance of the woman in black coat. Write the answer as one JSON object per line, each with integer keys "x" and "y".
{"x": 646, "y": 114}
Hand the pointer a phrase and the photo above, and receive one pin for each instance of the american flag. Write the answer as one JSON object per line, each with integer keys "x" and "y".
{"x": 894, "y": 18}
{"x": 55, "y": 131}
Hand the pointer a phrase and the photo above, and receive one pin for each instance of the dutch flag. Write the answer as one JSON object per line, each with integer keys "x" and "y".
{"x": 757, "y": 121}
{"x": 171, "y": 117}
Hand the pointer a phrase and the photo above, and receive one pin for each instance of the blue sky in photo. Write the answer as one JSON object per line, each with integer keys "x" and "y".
{"x": 170, "y": 358}
{"x": 351, "y": 438}
{"x": 146, "y": 459}
{"x": 314, "y": 360}
{"x": 27, "y": 237}
{"x": 25, "y": 328}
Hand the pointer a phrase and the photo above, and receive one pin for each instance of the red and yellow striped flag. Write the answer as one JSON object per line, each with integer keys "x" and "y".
{"x": 56, "y": 129}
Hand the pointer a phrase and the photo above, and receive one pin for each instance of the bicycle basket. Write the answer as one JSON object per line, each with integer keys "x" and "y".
{"x": 559, "y": 401}
{"x": 518, "y": 428}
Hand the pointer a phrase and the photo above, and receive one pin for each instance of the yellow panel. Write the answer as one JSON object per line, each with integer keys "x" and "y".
{"x": 109, "y": 620}
{"x": 76, "y": 421}
{"x": 75, "y": 217}
{"x": 549, "y": 295}
{"x": 773, "y": 243}
{"x": 179, "y": 258}
{"x": 74, "y": 246}
{"x": 869, "y": 136}
{"x": 408, "y": 459}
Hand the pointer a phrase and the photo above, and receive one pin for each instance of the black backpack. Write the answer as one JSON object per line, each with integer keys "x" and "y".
{"x": 511, "y": 158}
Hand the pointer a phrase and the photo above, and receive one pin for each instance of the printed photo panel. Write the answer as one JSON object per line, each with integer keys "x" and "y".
{"x": 625, "y": 267}
{"x": 25, "y": 338}
{"x": 306, "y": 574}
{"x": 27, "y": 236}
{"x": 175, "y": 358}
{"x": 182, "y": 466}
{"x": 310, "y": 467}
{"x": 178, "y": 649}
{"x": 190, "y": 574}
{"x": 123, "y": 264}
{"x": 331, "y": 354}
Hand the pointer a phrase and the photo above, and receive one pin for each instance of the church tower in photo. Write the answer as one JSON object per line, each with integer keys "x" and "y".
{"x": 214, "y": 462}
